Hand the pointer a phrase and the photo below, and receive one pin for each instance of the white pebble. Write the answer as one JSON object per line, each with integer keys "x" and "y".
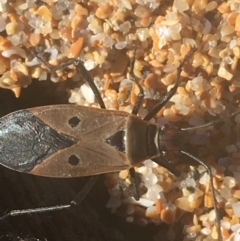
{"x": 206, "y": 231}
{"x": 142, "y": 170}
{"x": 182, "y": 109}
{"x": 75, "y": 97}
{"x": 236, "y": 208}
{"x": 150, "y": 179}
{"x": 89, "y": 64}
{"x": 204, "y": 179}
{"x": 148, "y": 93}
{"x": 108, "y": 41}
{"x": 43, "y": 75}
{"x": 87, "y": 93}
{"x": 207, "y": 27}
{"x": 149, "y": 163}
{"x": 126, "y": 82}
{"x": 225, "y": 192}
{"x": 120, "y": 45}
{"x": 236, "y": 237}
{"x": 190, "y": 182}
{"x": 151, "y": 210}
{"x": 14, "y": 50}
{"x": 225, "y": 224}
{"x": 169, "y": 68}
{"x": 183, "y": 184}
{"x": 162, "y": 197}
{"x": 212, "y": 215}
{"x": 191, "y": 235}
{"x": 229, "y": 181}
{"x": 157, "y": 188}
{"x": 54, "y": 79}
{"x": 154, "y": 191}
{"x": 2, "y": 24}
{"x": 200, "y": 84}
{"x": 180, "y": 5}
{"x": 33, "y": 62}
{"x": 235, "y": 227}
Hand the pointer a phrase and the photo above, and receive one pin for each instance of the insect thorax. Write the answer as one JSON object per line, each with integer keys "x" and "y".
{"x": 141, "y": 140}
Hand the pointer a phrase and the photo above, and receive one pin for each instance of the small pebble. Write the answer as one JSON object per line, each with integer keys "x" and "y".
{"x": 123, "y": 174}
{"x": 168, "y": 216}
{"x": 236, "y": 208}
{"x": 183, "y": 203}
{"x": 104, "y": 11}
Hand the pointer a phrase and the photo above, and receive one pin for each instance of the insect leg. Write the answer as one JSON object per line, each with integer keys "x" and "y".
{"x": 77, "y": 200}
{"x": 135, "y": 110}
{"x": 54, "y": 68}
{"x": 88, "y": 78}
{"x": 83, "y": 193}
{"x": 80, "y": 67}
{"x": 133, "y": 175}
{"x": 171, "y": 92}
{"x": 212, "y": 189}
{"x": 160, "y": 160}
{"x": 135, "y": 79}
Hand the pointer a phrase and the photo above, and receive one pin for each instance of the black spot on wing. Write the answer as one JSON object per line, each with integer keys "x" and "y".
{"x": 74, "y": 121}
{"x": 73, "y": 160}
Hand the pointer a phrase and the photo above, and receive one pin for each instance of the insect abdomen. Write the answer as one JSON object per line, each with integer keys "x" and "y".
{"x": 140, "y": 140}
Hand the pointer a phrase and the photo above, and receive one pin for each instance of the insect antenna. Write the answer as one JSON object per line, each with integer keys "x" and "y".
{"x": 164, "y": 163}
{"x": 211, "y": 123}
{"x": 212, "y": 190}
{"x": 159, "y": 160}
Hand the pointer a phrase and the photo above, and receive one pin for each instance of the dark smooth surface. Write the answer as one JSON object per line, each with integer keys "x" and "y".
{"x": 88, "y": 221}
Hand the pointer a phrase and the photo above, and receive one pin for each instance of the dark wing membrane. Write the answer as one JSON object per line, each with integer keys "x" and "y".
{"x": 25, "y": 141}
{"x": 75, "y": 143}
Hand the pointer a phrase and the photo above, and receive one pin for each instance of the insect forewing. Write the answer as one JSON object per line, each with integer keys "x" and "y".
{"x": 62, "y": 141}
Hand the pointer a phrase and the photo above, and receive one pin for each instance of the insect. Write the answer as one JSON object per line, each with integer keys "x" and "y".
{"x": 75, "y": 141}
